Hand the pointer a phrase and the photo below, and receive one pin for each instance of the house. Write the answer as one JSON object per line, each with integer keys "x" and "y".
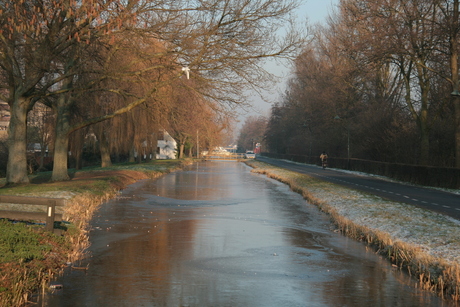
{"x": 166, "y": 146}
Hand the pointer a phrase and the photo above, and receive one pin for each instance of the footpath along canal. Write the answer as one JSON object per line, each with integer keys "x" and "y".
{"x": 216, "y": 234}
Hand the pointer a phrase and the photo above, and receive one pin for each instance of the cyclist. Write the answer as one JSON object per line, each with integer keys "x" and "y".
{"x": 323, "y": 158}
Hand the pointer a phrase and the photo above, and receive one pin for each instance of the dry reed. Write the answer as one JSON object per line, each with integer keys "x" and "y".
{"x": 79, "y": 211}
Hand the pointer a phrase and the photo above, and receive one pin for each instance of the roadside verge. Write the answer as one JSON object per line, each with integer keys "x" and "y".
{"x": 421, "y": 242}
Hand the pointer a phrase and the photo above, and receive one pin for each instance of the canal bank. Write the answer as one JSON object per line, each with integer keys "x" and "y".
{"x": 423, "y": 243}
{"x": 24, "y": 273}
{"x": 412, "y": 242}
{"x": 217, "y": 234}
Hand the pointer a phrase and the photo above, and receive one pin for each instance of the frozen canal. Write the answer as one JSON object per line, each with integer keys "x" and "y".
{"x": 216, "y": 234}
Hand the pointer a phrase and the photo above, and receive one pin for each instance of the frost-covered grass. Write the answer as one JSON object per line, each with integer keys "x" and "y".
{"x": 425, "y": 243}
{"x": 436, "y": 234}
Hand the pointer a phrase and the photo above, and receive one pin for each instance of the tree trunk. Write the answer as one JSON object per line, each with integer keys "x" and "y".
{"x": 77, "y": 148}
{"x": 424, "y": 147}
{"x": 131, "y": 154}
{"x": 148, "y": 149}
{"x": 424, "y": 133}
{"x": 419, "y": 114}
{"x": 104, "y": 148}
{"x": 181, "y": 150}
{"x": 139, "y": 154}
{"x": 16, "y": 171}
{"x": 61, "y": 143}
{"x": 42, "y": 157}
{"x": 455, "y": 80}
{"x": 457, "y": 130}
{"x": 154, "y": 146}
{"x": 78, "y": 160}
{"x": 423, "y": 117}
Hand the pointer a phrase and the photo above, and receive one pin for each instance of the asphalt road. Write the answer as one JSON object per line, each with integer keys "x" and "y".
{"x": 436, "y": 200}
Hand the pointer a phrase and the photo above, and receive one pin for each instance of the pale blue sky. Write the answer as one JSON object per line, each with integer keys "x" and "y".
{"x": 316, "y": 11}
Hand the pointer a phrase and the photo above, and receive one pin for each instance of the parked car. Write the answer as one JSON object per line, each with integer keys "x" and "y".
{"x": 249, "y": 155}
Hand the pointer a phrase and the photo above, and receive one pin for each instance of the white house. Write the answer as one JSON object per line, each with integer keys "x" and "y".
{"x": 166, "y": 146}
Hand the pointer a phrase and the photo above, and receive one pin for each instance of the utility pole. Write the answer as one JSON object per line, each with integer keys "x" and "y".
{"x": 197, "y": 145}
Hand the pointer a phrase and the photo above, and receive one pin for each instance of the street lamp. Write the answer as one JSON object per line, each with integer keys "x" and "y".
{"x": 197, "y": 145}
{"x": 187, "y": 71}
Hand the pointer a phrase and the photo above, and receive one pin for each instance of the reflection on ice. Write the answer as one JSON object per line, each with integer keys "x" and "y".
{"x": 172, "y": 202}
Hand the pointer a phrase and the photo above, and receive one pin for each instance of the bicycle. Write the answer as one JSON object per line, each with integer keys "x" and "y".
{"x": 323, "y": 158}
{"x": 324, "y": 163}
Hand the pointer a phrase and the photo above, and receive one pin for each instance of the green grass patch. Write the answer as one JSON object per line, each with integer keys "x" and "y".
{"x": 154, "y": 165}
{"x": 40, "y": 182}
{"x": 20, "y": 243}
{"x": 29, "y": 257}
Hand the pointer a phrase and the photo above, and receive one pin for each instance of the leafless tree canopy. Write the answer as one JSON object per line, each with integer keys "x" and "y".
{"x": 378, "y": 81}
{"x": 92, "y": 60}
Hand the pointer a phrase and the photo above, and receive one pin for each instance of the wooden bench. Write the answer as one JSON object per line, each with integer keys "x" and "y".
{"x": 49, "y": 216}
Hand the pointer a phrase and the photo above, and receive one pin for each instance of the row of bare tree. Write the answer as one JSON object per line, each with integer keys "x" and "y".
{"x": 122, "y": 69}
{"x": 252, "y": 132}
{"x": 379, "y": 80}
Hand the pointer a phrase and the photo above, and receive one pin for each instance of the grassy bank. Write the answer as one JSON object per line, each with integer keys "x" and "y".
{"x": 423, "y": 243}
{"x": 31, "y": 257}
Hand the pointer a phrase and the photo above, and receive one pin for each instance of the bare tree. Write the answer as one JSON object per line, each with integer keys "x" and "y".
{"x": 388, "y": 70}
{"x": 188, "y": 114}
{"x": 449, "y": 30}
{"x": 25, "y": 56}
{"x": 34, "y": 34}
{"x": 40, "y": 121}
{"x": 252, "y": 132}
{"x": 404, "y": 33}
{"x": 43, "y": 48}
{"x": 222, "y": 59}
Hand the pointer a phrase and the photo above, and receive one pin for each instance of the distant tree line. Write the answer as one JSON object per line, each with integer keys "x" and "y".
{"x": 379, "y": 81}
{"x": 111, "y": 73}
{"x": 251, "y": 133}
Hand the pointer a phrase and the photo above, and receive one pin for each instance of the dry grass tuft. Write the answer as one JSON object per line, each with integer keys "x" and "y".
{"x": 79, "y": 211}
{"x": 433, "y": 273}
